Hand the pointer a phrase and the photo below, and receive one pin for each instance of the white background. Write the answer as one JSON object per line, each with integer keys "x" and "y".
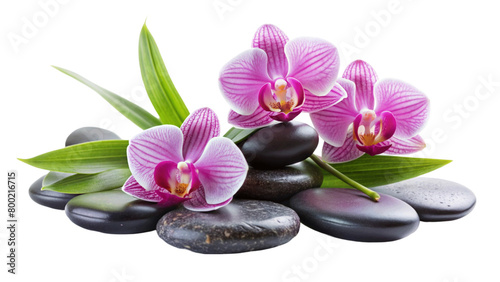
{"x": 446, "y": 49}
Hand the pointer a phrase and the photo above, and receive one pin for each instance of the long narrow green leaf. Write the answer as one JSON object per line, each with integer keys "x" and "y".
{"x": 161, "y": 90}
{"x": 133, "y": 112}
{"x": 86, "y": 158}
{"x": 380, "y": 170}
{"x": 55, "y": 176}
{"x": 239, "y": 135}
{"x": 89, "y": 183}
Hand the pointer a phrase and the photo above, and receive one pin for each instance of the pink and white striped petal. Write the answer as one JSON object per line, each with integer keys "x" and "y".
{"x": 405, "y": 146}
{"x": 222, "y": 169}
{"x": 198, "y": 202}
{"x": 409, "y": 106}
{"x": 272, "y": 40}
{"x": 241, "y": 79}
{"x": 198, "y": 128}
{"x": 347, "y": 152}
{"x": 149, "y": 148}
{"x": 314, "y": 62}
{"x": 315, "y": 103}
{"x": 364, "y": 77}
{"x": 257, "y": 119}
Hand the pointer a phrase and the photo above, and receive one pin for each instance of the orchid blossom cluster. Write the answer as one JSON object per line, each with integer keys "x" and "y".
{"x": 356, "y": 114}
{"x": 189, "y": 165}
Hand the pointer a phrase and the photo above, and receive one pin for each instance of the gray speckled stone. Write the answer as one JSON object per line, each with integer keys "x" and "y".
{"x": 241, "y": 226}
{"x": 350, "y": 214}
{"x": 433, "y": 199}
{"x": 280, "y": 184}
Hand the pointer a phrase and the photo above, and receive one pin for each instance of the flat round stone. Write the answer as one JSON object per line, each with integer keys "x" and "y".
{"x": 48, "y": 198}
{"x": 280, "y": 184}
{"x": 88, "y": 134}
{"x": 433, "y": 199}
{"x": 241, "y": 226}
{"x": 350, "y": 214}
{"x": 279, "y": 145}
{"x": 114, "y": 212}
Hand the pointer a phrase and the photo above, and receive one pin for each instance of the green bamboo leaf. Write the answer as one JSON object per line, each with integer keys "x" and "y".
{"x": 380, "y": 170}
{"x": 239, "y": 135}
{"x": 161, "y": 90}
{"x": 88, "y": 183}
{"x": 54, "y": 176}
{"x": 133, "y": 112}
{"x": 86, "y": 158}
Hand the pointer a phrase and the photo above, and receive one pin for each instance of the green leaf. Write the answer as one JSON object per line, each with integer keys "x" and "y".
{"x": 161, "y": 91}
{"x": 380, "y": 170}
{"x": 239, "y": 135}
{"x": 87, "y": 183}
{"x": 86, "y": 158}
{"x": 54, "y": 176}
{"x": 136, "y": 114}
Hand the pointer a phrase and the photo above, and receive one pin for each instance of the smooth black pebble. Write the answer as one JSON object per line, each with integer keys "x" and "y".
{"x": 48, "y": 198}
{"x": 433, "y": 199}
{"x": 350, "y": 214}
{"x": 279, "y": 145}
{"x": 280, "y": 184}
{"x": 241, "y": 226}
{"x": 114, "y": 212}
{"x": 89, "y": 134}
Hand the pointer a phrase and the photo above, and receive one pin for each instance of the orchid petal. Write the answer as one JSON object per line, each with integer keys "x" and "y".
{"x": 409, "y": 106}
{"x": 257, "y": 119}
{"x": 162, "y": 196}
{"x": 266, "y": 98}
{"x": 198, "y": 128}
{"x": 374, "y": 149}
{"x": 298, "y": 92}
{"x": 272, "y": 40}
{"x": 149, "y": 148}
{"x": 222, "y": 169}
{"x": 387, "y": 126}
{"x": 285, "y": 117}
{"x": 363, "y": 75}
{"x": 315, "y": 103}
{"x": 241, "y": 79}
{"x": 347, "y": 152}
{"x": 199, "y": 203}
{"x": 134, "y": 189}
{"x": 404, "y": 146}
{"x": 165, "y": 175}
{"x": 314, "y": 62}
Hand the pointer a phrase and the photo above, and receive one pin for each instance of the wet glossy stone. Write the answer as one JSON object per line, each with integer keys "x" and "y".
{"x": 433, "y": 199}
{"x": 48, "y": 198}
{"x": 280, "y": 184}
{"x": 241, "y": 226}
{"x": 350, "y": 214}
{"x": 88, "y": 134}
{"x": 114, "y": 212}
{"x": 279, "y": 145}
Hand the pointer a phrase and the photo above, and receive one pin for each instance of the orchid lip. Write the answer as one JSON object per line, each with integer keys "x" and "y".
{"x": 179, "y": 179}
{"x": 368, "y": 134}
{"x": 282, "y": 96}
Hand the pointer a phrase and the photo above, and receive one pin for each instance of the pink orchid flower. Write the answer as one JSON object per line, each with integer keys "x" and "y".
{"x": 190, "y": 165}
{"x": 278, "y": 79}
{"x": 376, "y": 117}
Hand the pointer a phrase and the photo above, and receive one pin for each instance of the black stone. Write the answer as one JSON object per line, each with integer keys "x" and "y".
{"x": 433, "y": 199}
{"x": 48, "y": 198}
{"x": 114, "y": 212}
{"x": 280, "y": 184}
{"x": 280, "y": 145}
{"x": 350, "y": 214}
{"x": 241, "y": 226}
{"x": 88, "y": 134}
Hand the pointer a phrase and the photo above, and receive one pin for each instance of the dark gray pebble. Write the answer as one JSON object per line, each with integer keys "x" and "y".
{"x": 433, "y": 199}
{"x": 350, "y": 214}
{"x": 48, "y": 198}
{"x": 241, "y": 226}
{"x": 280, "y": 184}
{"x": 279, "y": 145}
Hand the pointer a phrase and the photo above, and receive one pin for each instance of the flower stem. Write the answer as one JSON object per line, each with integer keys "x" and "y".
{"x": 372, "y": 194}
